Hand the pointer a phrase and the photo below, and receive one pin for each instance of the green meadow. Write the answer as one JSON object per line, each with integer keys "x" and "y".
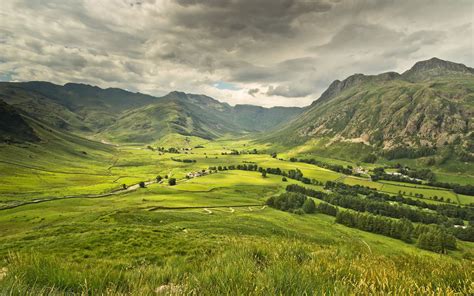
{"x": 207, "y": 235}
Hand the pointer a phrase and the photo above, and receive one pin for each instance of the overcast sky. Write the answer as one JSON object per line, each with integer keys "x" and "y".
{"x": 262, "y": 52}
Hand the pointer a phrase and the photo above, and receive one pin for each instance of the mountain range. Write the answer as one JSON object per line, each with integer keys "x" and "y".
{"x": 429, "y": 105}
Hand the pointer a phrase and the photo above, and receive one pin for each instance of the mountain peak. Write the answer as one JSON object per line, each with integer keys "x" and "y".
{"x": 435, "y": 67}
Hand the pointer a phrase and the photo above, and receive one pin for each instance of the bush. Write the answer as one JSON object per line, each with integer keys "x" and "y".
{"x": 288, "y": 201}
{"x": 141, "y": 184}
{"x": 371, "y": 158}
{"x": 172, "y": 181}
{"x": 309, "y": 206}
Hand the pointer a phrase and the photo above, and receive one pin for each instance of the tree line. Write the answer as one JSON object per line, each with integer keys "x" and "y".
{"x": 349, "y": 199}
{"x": 295, "y": 174}
{"x": 333, "y": 167}
{"x": 407, "y": 152}
{"x": 429, "y": 237}
{"x": 460, "y": 189}
{"x": 453, "y": 211}
{"x": 183, "y": 160}
{"x": 292, "y": 202}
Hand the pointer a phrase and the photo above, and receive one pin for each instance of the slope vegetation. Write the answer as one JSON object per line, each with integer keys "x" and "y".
{"x": 430, "y": 105}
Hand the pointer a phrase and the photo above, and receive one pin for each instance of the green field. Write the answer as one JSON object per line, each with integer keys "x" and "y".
{"x": 206, "y": 235}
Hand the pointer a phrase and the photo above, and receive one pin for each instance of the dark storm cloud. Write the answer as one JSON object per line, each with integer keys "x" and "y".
{"x": 276, "y": 52}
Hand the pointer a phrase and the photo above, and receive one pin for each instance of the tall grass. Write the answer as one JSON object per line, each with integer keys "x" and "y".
{"x": 244, "y": 268}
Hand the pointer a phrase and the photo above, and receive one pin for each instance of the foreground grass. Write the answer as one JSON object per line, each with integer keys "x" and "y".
{"x": 117, "y": 246}
{"x": 131, "y": 244}
{"x": 247, "y": 267}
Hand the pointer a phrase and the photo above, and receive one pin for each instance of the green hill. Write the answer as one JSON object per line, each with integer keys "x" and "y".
{"x": 120, "y": 115}
{"x": 13, "y": 127}
{"x": 430, "y": 105}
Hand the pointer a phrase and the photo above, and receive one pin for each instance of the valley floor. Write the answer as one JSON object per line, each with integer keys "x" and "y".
{"x": 61, "y": 232}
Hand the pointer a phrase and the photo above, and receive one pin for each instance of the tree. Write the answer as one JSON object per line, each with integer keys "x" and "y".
{"x": 172, "y": 181}
{"x": 158, "y": 179}
{"x": 284, "y": 179}
{"x": 124, "y": 186}
{"x": 308, "y": 206}
{"x": 264, "y": 174}
{"x": 141, "y": 184}
{"x": 274, "y": 155}
{"x": 371, "y": 158}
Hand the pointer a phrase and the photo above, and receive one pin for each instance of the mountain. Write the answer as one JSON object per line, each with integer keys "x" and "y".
{"x": 13, "y": 127}
{"x": 431, "y": 104}
{"x": 177, "y": 112}
{"x": 263, "y": 119}
{"x": 120, "y": 115}
{"x": 433, "y": 68}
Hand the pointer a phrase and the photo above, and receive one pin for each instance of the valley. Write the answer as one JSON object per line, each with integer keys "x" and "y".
{"x": 104, "y": 191}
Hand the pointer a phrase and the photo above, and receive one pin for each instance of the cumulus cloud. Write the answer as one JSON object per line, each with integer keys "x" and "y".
{"x": 275, "y": 52}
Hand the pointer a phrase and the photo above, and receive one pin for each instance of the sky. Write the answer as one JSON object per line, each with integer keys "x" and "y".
{"x": 260, "y": 52}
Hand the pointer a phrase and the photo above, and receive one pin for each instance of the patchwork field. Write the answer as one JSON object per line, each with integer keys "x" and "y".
{"x": 212, "y": 234}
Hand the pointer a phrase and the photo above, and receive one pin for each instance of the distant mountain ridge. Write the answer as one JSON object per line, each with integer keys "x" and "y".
{"x": 125, "y": 116}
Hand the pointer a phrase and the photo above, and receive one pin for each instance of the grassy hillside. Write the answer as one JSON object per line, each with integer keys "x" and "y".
{"x": 13, "y": 127}
{"x": 392, "y": 114}
{"x": 120, "y": 115}
{"x": 257, "y": 118}
{"x": 133, "y": 244}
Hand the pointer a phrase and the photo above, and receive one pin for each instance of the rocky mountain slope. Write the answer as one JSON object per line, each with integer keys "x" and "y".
{"x": 430, "y": 105}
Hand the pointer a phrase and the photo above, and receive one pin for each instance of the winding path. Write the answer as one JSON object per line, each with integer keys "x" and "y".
{"x": 115, "y": 192}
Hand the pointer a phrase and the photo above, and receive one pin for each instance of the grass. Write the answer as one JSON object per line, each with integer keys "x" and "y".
{"x": 205, "y": 236}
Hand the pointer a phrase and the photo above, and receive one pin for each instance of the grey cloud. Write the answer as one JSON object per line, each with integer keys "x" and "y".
{"x": 294, "y": 90}
{"x": 286, "y": 51}
{"x": 253, "y": 91}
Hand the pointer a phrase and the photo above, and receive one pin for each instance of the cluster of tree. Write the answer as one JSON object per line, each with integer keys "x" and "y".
{"x": 386, "y": 209}
{"x": 461, "y": 213}
{"x": 249, "y": 167}
{"x": 236, "y": 152}
{"x": 169, "y": 150}
{"x": 461, "y": 189}
{"x": 306, "y": 191}
{"x": 345, "y": 188}
{"x": 183, "y": 160}
{"x": 370, "y": 158}
{"x": 434, "y": 238}
{"x": 374, "y": 203}
{"x": 464, "y": 233}
{"x": 232, "y": 152}
{"x": 400, "y": 229}
{"x": 396, "y": 178}
{"x": 292, "y": 174}
{"x": 408, "y": 152}
{"x": 333, "y": 167}
{"x": 429, "y": 237}
{"x": 424, "y": 174}
{"x": 377, "y": 203}
{"x": 292, "y": 202}
{"x": 327, "y": 209}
